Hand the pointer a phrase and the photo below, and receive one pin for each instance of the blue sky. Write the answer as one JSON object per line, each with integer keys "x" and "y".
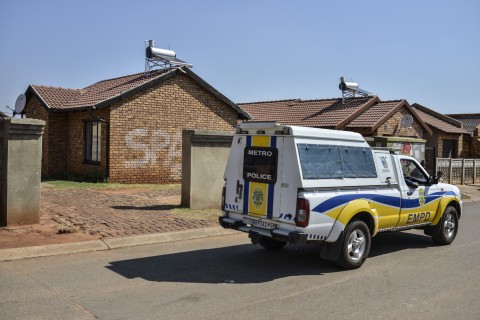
{"x": 422, "y": 51}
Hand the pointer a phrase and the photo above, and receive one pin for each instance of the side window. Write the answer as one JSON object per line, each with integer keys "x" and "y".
{"x": 93, "y": 135}
{"x": 335, "y": 162}
{"x": 412, "y": 172}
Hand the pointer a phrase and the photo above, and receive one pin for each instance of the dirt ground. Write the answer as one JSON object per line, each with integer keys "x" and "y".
{"x": 80, "y": 214}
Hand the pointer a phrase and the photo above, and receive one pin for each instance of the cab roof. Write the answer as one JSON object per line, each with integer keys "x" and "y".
{"x": 275, "y": 128}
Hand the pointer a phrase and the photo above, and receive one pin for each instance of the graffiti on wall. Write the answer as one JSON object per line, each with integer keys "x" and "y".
{"x": 156, "y": 148}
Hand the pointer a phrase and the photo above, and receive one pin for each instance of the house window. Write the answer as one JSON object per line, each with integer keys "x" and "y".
{"x": 93, "y": 135}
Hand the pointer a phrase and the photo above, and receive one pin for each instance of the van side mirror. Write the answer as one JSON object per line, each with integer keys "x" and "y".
{"x": 433, "y": 179}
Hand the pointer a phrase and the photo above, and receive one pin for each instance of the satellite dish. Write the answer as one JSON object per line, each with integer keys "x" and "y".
{"x": 20, "y": 103}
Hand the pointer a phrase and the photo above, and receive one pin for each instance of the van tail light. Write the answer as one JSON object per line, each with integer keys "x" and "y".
{"x": 224, "y": 190}
{"x": 303, "y": 212}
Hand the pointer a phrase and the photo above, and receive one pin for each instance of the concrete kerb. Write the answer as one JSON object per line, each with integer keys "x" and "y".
{"x": 110, "y": 243}
{"x": 472, "y": 191}
{"x": 472, "y": 200}
{"x": 51, "y": 250}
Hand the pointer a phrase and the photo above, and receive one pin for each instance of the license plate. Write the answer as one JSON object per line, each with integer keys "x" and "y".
{"x": 260, "y": 224}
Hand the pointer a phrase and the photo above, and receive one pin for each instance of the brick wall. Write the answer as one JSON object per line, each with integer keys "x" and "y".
{"x": 76, "y": 142}
{"x": 464, "y": 151}
{"x": 366, "y": 132}
{"x": 34, "y": 109}
{"x": 57, "y": 143}
{"x": 462, "y": 148}
{"x": 475, "y": 145}
{"x": 393, "y": 127}
{"x": 146, "y": 129}
{"x": 63, "y": 140}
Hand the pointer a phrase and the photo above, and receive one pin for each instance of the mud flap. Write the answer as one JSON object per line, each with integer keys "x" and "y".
{"x": 331, "y": 250}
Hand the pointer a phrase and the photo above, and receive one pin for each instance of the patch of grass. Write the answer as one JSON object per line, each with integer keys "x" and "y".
{"x": 66, "y": 184}
{"x": 207, "y": 214}
{"x": 465, "y": 197}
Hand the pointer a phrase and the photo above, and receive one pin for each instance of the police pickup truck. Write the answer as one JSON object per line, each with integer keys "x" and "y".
{"x": 288, "y": 184}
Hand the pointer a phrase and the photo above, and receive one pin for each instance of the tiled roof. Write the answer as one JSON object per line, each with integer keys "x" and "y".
{"x": 438, "y": 121}
{"x": 470, "y": 120}
{"x": 57, "y": 98}
{"x": 314, "y": 113}
{"x": 375, "y": 114}
{"x": 105, "y": 92}
{"x": 69, "y": 99}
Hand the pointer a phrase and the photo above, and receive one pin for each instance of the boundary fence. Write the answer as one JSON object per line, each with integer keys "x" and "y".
{"x": 459, "y": 171}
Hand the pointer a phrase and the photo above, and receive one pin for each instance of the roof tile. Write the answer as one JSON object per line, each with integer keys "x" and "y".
{"x": 313, "y": 113}
{"x": 372, "y": 116}
{"x": 470, "y": 120}
{"x": 438, "y": 123}
{"x": 66, "y": 99}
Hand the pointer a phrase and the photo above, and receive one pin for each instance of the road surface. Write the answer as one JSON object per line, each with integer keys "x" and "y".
{"x": 405, "y": 277}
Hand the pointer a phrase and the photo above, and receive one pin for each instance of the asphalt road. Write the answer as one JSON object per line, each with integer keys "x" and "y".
{"x": 405, "y": 277}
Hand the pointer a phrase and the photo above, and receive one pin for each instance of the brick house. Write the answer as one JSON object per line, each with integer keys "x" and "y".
{"x": 393, "y": 124}
{"x": 128, "y": 128}
{"x": 448, "y": 138}
{"x": 471, "y": 123}
{"x": 414, "y": 129}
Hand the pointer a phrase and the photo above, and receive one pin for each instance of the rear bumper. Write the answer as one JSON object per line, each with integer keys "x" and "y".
{"x": 294, "y": 237}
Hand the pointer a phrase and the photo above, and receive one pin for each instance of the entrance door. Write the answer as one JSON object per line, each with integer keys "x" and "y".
{"x": 260, "y": 167}
{"x": 420, "y": 200}
{"x": 449, "y": 149}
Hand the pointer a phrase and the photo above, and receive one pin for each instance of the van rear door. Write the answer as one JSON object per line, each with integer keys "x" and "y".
{"x": 261, "y": 175}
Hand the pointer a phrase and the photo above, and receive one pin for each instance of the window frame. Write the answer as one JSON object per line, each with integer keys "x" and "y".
{"x": 91, "y": 157}
{"x": 413, "y": 175}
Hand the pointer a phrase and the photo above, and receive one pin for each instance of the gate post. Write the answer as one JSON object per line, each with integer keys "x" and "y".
{"x": 450, "y": 171}
{"x": 204, "y": 158}
{"x": 474, "y": 170}
{"x": 20, "y": 170}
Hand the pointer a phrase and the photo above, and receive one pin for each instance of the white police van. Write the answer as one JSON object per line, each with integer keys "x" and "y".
{"x": 288, "y": 184}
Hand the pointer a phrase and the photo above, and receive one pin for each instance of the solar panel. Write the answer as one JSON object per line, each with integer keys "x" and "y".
{"x": 169, "y": 59}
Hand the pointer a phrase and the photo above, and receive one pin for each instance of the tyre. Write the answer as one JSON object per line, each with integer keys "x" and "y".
{"x": 271, "y": 244}
{"x": 356, "y": 245}
{"x": 447, "y": 227}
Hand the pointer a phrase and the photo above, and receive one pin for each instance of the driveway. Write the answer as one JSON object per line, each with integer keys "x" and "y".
{"x": 76, "y": 214}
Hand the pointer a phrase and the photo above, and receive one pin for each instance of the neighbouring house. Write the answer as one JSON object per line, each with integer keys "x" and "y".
{"x": 3, "y": 115}
{"x": 412, "y": 129}
{"x": 471, "y": 123}
{"x": 448, "y": 138}
{"x": 127, "y": 129}
{"x": 393, "y": 124}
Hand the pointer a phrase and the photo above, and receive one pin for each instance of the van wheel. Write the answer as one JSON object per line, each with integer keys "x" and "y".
{"x": 355, "y": 246}
{"x": 447, "y": 227}
{"x": 271, "y": 244}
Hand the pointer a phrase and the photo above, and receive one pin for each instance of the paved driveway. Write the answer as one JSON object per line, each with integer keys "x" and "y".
{"x": 75, "y": 214}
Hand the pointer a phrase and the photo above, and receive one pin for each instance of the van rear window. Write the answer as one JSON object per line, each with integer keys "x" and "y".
{"x": 260, "y": 164}
{"x": 336, "y": 162}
